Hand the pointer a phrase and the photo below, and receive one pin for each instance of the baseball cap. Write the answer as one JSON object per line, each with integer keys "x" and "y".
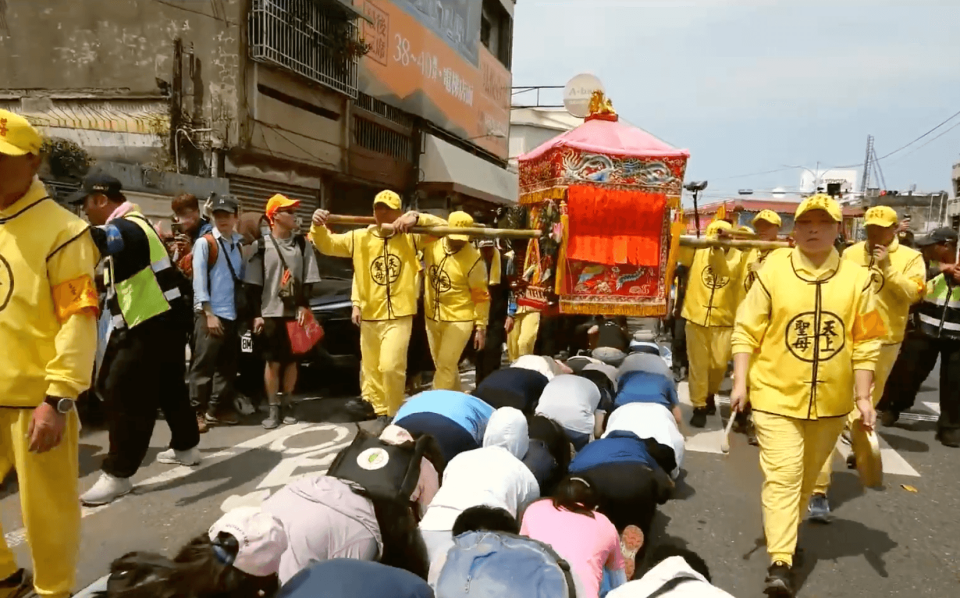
{"x": 278, "y": 202}
{"x": 821, "y": 201}
{"x": 486, "y": 242}
{"x": 460, "y": 220}
{"x": 224, "y": 203}
{"x": 880, "y": 216}
{"x": 97, "y": 182}
{"x": 17, "y": 136}
{"x": 768, "y": 216}
{"x": 388, "y": 198}
{"x": 260, "y": 536}
{"x": 937, "y": 236}
{"x": 716, "y": 226}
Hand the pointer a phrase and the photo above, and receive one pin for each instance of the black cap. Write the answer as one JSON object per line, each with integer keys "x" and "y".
{"x": 224, "y": 203}
{"x": 97, "y": 182}
{"x": 937, "y": 236}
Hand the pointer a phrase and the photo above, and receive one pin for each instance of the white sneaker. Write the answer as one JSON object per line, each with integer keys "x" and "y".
{"x": 171, "y": 457}
{"x": 106, "y": 490}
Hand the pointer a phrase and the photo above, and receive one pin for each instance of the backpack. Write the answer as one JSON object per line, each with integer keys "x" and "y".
{"x": 501, "y": 565}
{"x": 385, "y": 471}
{"x": 186, "y": 262}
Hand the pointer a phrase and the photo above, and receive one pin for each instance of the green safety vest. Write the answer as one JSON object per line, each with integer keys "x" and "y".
{"x": 149, "y": 291}
{"x": 938, "y": 315}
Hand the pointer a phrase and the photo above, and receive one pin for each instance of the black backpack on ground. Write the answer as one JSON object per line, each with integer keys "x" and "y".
{"x": 385, "y": 471}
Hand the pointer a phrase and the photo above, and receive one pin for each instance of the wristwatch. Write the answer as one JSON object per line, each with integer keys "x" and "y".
{"x": 62, "y": 406}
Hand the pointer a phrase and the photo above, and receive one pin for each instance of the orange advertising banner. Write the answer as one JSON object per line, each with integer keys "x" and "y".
{"x": 426, "y": 58}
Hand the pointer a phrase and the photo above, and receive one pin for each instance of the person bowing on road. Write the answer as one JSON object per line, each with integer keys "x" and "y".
{"x": 385, "y": 270}
{"x": 811, "y": 329}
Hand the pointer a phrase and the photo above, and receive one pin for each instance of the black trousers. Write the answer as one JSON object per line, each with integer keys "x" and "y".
{"x": 143, "y": 370}
{"x": 629, "y": 493}
{"x": 491, "y": 357}
{"x": 213, "y": 369}
{"x": 678, "y": 346}
{"x": 918, "y": 356}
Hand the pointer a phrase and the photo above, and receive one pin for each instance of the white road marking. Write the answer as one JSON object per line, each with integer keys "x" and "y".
{"x": 273, "y": 439}
{"x": 709, "y": 441}
{"x": 935, "y": 407}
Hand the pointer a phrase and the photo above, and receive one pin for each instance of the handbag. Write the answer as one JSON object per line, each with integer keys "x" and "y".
{"x": 241, "y": 301}
{"x": 304, "y": 338}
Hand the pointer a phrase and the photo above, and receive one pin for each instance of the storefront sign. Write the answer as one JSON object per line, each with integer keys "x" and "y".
{"x": 426, "y": 58}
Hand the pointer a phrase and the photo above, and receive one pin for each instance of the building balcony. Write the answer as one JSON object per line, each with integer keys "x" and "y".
{"x": 315, "y": 40}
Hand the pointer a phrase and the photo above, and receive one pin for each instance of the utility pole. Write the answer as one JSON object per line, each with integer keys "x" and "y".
{"x": 865, "y": 182}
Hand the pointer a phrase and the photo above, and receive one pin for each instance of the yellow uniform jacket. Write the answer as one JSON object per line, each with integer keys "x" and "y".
{"x": 48, "y": 301}
{"x": 384, "y": 267}
{"x": 456, "y": 285}
{"x": 713, "y": 288}
{"x": 808, "y": 329}
{"x": 897, "y": 283}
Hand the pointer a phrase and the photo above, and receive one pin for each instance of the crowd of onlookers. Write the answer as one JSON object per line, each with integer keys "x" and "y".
{"x": 544, "y": 481}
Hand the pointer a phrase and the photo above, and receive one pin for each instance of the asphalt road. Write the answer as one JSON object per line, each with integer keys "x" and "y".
{"x": 890, "y": 542}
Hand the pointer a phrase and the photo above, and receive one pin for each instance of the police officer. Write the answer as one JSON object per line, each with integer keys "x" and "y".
{"x": 143, "y": 367}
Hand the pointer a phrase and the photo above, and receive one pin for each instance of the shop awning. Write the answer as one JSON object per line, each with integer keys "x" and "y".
{"x": 446, "y": 166}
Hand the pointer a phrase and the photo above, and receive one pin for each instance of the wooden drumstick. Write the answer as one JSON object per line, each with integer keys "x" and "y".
{"x": 725, "y": 441}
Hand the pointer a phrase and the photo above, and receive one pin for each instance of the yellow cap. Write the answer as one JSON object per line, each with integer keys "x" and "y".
{"x": 746, "y": 229}
{"x": 768, "y": 216}
{"x": 823, "y": 202}
{"x": 460, "y": 220}
{"x": 388, "y": 198}
{"x": 278, "y": 202}
{"x": 880, "y": 216}
{"x": 17, "y": 136}
{"x": 716, "y": 226}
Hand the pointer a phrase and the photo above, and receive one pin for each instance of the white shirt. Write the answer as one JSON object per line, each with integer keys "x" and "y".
{"x": 571, "y": 402}
{"x": 489, "y": 476}
{"x": 669, "y": 569}
{"x": 538, "y": 363}
{"x": 649, "y": 420}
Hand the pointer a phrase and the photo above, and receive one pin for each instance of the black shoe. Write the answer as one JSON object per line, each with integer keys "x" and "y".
{"x": 712, "y": 405}
{"x": 699, "y": 419}
{"x": 779, "y": 581}
{"x": 384, "y": 420}
{"x": 18, "y": 585}
{"x": 949, "y": 438}
{"x": 360, "y": 409}
{"x": 851, "y": 461}
{"x": 889, "y": 418}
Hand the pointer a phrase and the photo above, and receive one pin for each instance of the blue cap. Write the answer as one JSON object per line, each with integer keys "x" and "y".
{"x": 97, "y": 182}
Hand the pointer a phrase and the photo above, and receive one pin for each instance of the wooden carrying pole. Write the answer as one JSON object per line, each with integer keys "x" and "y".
{"x": 690, "y": 241}
{"x": 441, "y": 231}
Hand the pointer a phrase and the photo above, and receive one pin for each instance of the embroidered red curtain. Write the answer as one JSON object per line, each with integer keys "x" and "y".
{"x": 613, "y": 226}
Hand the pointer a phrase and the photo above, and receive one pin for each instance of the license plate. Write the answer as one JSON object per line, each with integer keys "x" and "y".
{"x": 246, "y": 343}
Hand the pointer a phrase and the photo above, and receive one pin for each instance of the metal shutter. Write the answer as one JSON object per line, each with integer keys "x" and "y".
{"x": 253, "y": 195}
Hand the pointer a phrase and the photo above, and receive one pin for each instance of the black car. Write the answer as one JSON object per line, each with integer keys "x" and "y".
{"x": 332, "y": 368}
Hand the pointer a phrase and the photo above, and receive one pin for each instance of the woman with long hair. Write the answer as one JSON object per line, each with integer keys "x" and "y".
{"x": 585, "y": 538}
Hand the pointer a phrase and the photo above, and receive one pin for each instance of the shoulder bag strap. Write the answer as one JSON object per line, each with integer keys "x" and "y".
{"x": 670, "y": 585}
{"x": 226, "y": 254}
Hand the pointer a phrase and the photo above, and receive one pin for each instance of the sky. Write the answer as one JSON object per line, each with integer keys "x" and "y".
{"x": 763, "y": 85}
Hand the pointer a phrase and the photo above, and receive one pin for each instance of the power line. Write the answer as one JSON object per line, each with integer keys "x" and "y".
{"x": 903, "y": 147}
{"x": 916, "y": 149}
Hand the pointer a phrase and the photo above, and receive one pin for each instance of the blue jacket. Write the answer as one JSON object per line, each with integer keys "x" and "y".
{"x": 351, "y": 578}
{"x": 646, "y": 387}
{"x": 618, "y": 447}
{"x": 466, "y": 411}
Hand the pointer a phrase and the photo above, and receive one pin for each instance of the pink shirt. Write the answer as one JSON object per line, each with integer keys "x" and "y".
{"x": 587, "y": 543}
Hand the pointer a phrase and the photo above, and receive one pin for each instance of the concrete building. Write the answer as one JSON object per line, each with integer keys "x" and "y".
{"x": 835, "y": 182}
{"x": 327, "y": 101}
{"x": 953, "y": 206}
{"x": 532, "y": 127}
{"x": 926, "y": 211}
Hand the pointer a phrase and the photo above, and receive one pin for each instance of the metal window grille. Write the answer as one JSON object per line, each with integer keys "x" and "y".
{"x": 380, "y": 139}
{"x": 300, "y": 35}
{"x": 381, "y": 108}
